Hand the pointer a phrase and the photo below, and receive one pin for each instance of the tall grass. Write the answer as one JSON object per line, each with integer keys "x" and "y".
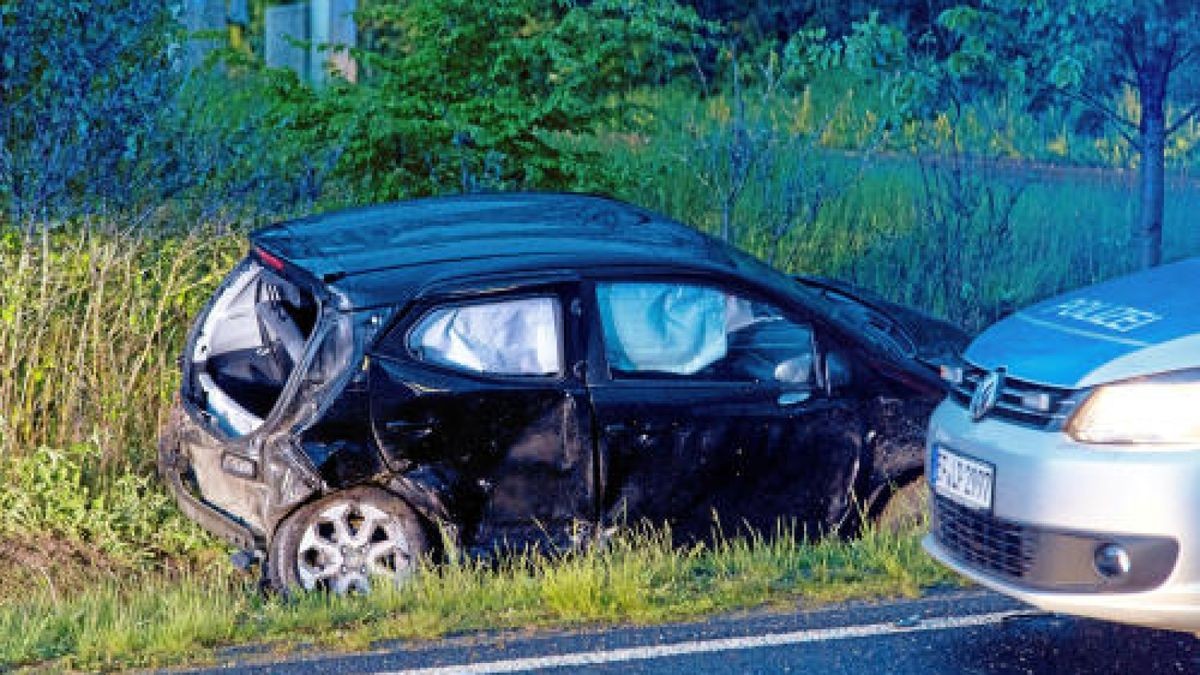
{"x": 882, "y": 219}
{"x": 1009, "y": 125}
{"x": 638, "y": 577}
{"x": 91, "y": 322}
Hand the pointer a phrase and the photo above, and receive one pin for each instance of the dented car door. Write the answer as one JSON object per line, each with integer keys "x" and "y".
{"x": 709, "y": 407}
{"x": 457, "y": 363}
{"x": 476, "y": 392}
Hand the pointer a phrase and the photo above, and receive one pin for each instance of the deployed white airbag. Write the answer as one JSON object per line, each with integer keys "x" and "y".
{"x": 515, "y": 337}
{"x": 665, "y": 328}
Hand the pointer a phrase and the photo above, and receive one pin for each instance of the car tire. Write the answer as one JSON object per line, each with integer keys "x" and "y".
{"x": 345, "y": 543}
{"x": 906, "y": 509}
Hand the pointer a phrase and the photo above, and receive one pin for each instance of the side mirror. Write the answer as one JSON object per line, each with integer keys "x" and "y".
{"x": 838, "y": 373}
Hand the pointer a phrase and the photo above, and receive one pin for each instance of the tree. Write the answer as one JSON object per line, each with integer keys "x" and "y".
{"x": 463, "y": 95}
{"x": 82, "y": 83}
{"x": 1086, "y": 51}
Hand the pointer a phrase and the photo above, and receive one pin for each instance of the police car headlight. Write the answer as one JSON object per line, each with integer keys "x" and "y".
{"x": 1159, "y": 410}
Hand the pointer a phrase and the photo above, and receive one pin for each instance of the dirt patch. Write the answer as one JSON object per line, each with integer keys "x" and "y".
{"x": 60, "y": 567}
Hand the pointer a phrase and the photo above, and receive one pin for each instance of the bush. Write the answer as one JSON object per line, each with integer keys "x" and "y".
{"x": 82, "y": 85}
{"x": 126, "y": 517}
{"x": 91, "y": 322}
{"x": 462, "y": 96}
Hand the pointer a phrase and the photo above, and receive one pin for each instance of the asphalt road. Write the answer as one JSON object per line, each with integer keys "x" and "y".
{"x": 960, "y": 632}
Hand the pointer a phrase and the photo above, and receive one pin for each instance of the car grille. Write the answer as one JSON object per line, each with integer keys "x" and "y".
{"x": 1007, "y": 549}
{"x": 1016, "y": 402}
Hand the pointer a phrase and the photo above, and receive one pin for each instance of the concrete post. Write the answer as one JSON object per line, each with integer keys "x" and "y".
{"x": 284, "y": 25}
{"x": 333, "y": 31}
{"x": 202, "y": 16}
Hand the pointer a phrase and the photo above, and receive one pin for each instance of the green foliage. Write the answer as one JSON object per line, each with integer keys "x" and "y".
{"x": 460, "y": 96}
{"x": 124, "y": 516}
{"x": 872, "y": 54}
{"x": 90, "y": 324}
{"x": 244, "y": 143}
{"x": 81, "y": 84}
{"x": 777, "y": 20}
{"x": 1088, "y": 51}
{"x": 1092, "y": 44}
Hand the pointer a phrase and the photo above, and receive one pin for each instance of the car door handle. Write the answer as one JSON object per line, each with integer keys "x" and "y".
{"x": 419, "y": 429}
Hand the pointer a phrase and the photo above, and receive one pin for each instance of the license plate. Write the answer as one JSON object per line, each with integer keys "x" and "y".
{"x": 966, "y": 481}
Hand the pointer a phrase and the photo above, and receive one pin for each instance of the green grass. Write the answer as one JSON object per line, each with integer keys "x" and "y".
{"x": 638, "y": 578}
{"x": 92, "y": 319}
{"x": 111, "y": 522}
{"x": 874, "y": 221}
{"x": 99, "y": 570}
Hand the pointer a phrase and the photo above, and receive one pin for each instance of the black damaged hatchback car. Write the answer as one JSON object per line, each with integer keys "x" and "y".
{"x": 532, "y": 369}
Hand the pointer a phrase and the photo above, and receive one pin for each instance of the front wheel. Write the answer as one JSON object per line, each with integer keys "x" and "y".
{"x": 347, "y": 542}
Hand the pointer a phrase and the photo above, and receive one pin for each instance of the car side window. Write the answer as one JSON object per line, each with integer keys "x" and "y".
{"x": 508, "y": 337}
{"x": 685, "y": 331}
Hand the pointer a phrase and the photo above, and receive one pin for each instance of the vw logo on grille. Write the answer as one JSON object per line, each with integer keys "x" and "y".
{"x": 986, "y": 394}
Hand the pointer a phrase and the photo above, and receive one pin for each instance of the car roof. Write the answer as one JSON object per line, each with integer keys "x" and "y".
{"x": 381, "y": 255}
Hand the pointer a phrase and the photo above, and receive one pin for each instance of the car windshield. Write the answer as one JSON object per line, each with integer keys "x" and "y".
{"x": 872, "y": 321}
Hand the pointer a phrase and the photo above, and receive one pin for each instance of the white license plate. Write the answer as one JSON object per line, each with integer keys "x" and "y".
{"x": 966, "y": 481}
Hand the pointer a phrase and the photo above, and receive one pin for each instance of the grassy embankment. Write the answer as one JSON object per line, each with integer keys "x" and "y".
{"x": 100, "y": 571}
{"x": 938, "y": 237}
{"x": 171, "y": 618}
{"x": 97, "y": 569}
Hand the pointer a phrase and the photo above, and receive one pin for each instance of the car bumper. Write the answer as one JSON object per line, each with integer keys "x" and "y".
{"x": 1055, "y": 501}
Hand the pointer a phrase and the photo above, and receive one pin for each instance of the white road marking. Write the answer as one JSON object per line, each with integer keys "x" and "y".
{"x": 593, "y": 658}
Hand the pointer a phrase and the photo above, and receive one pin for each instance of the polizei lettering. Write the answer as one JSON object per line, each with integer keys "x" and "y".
{"x": 1117, "y": 318}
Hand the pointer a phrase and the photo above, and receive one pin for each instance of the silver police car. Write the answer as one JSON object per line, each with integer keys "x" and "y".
{"x": 1065, "y": 464}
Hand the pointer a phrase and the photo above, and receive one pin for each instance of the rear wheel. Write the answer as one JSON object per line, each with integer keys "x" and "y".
{"x": 348, "y": 542}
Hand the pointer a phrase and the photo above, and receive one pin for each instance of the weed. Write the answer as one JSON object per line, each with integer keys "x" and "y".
{"x": 91, "y": 321}
{"x": 638, "y": 577}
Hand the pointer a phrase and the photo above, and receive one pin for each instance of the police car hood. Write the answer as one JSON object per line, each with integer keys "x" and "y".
{"x": 1140, "y": 324}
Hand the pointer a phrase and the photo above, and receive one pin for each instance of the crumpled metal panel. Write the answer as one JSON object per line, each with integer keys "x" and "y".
{"x": 506, "y": 456}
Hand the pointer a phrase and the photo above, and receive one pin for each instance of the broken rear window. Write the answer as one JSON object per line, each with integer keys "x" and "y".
{"x": 248, "y": 345}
